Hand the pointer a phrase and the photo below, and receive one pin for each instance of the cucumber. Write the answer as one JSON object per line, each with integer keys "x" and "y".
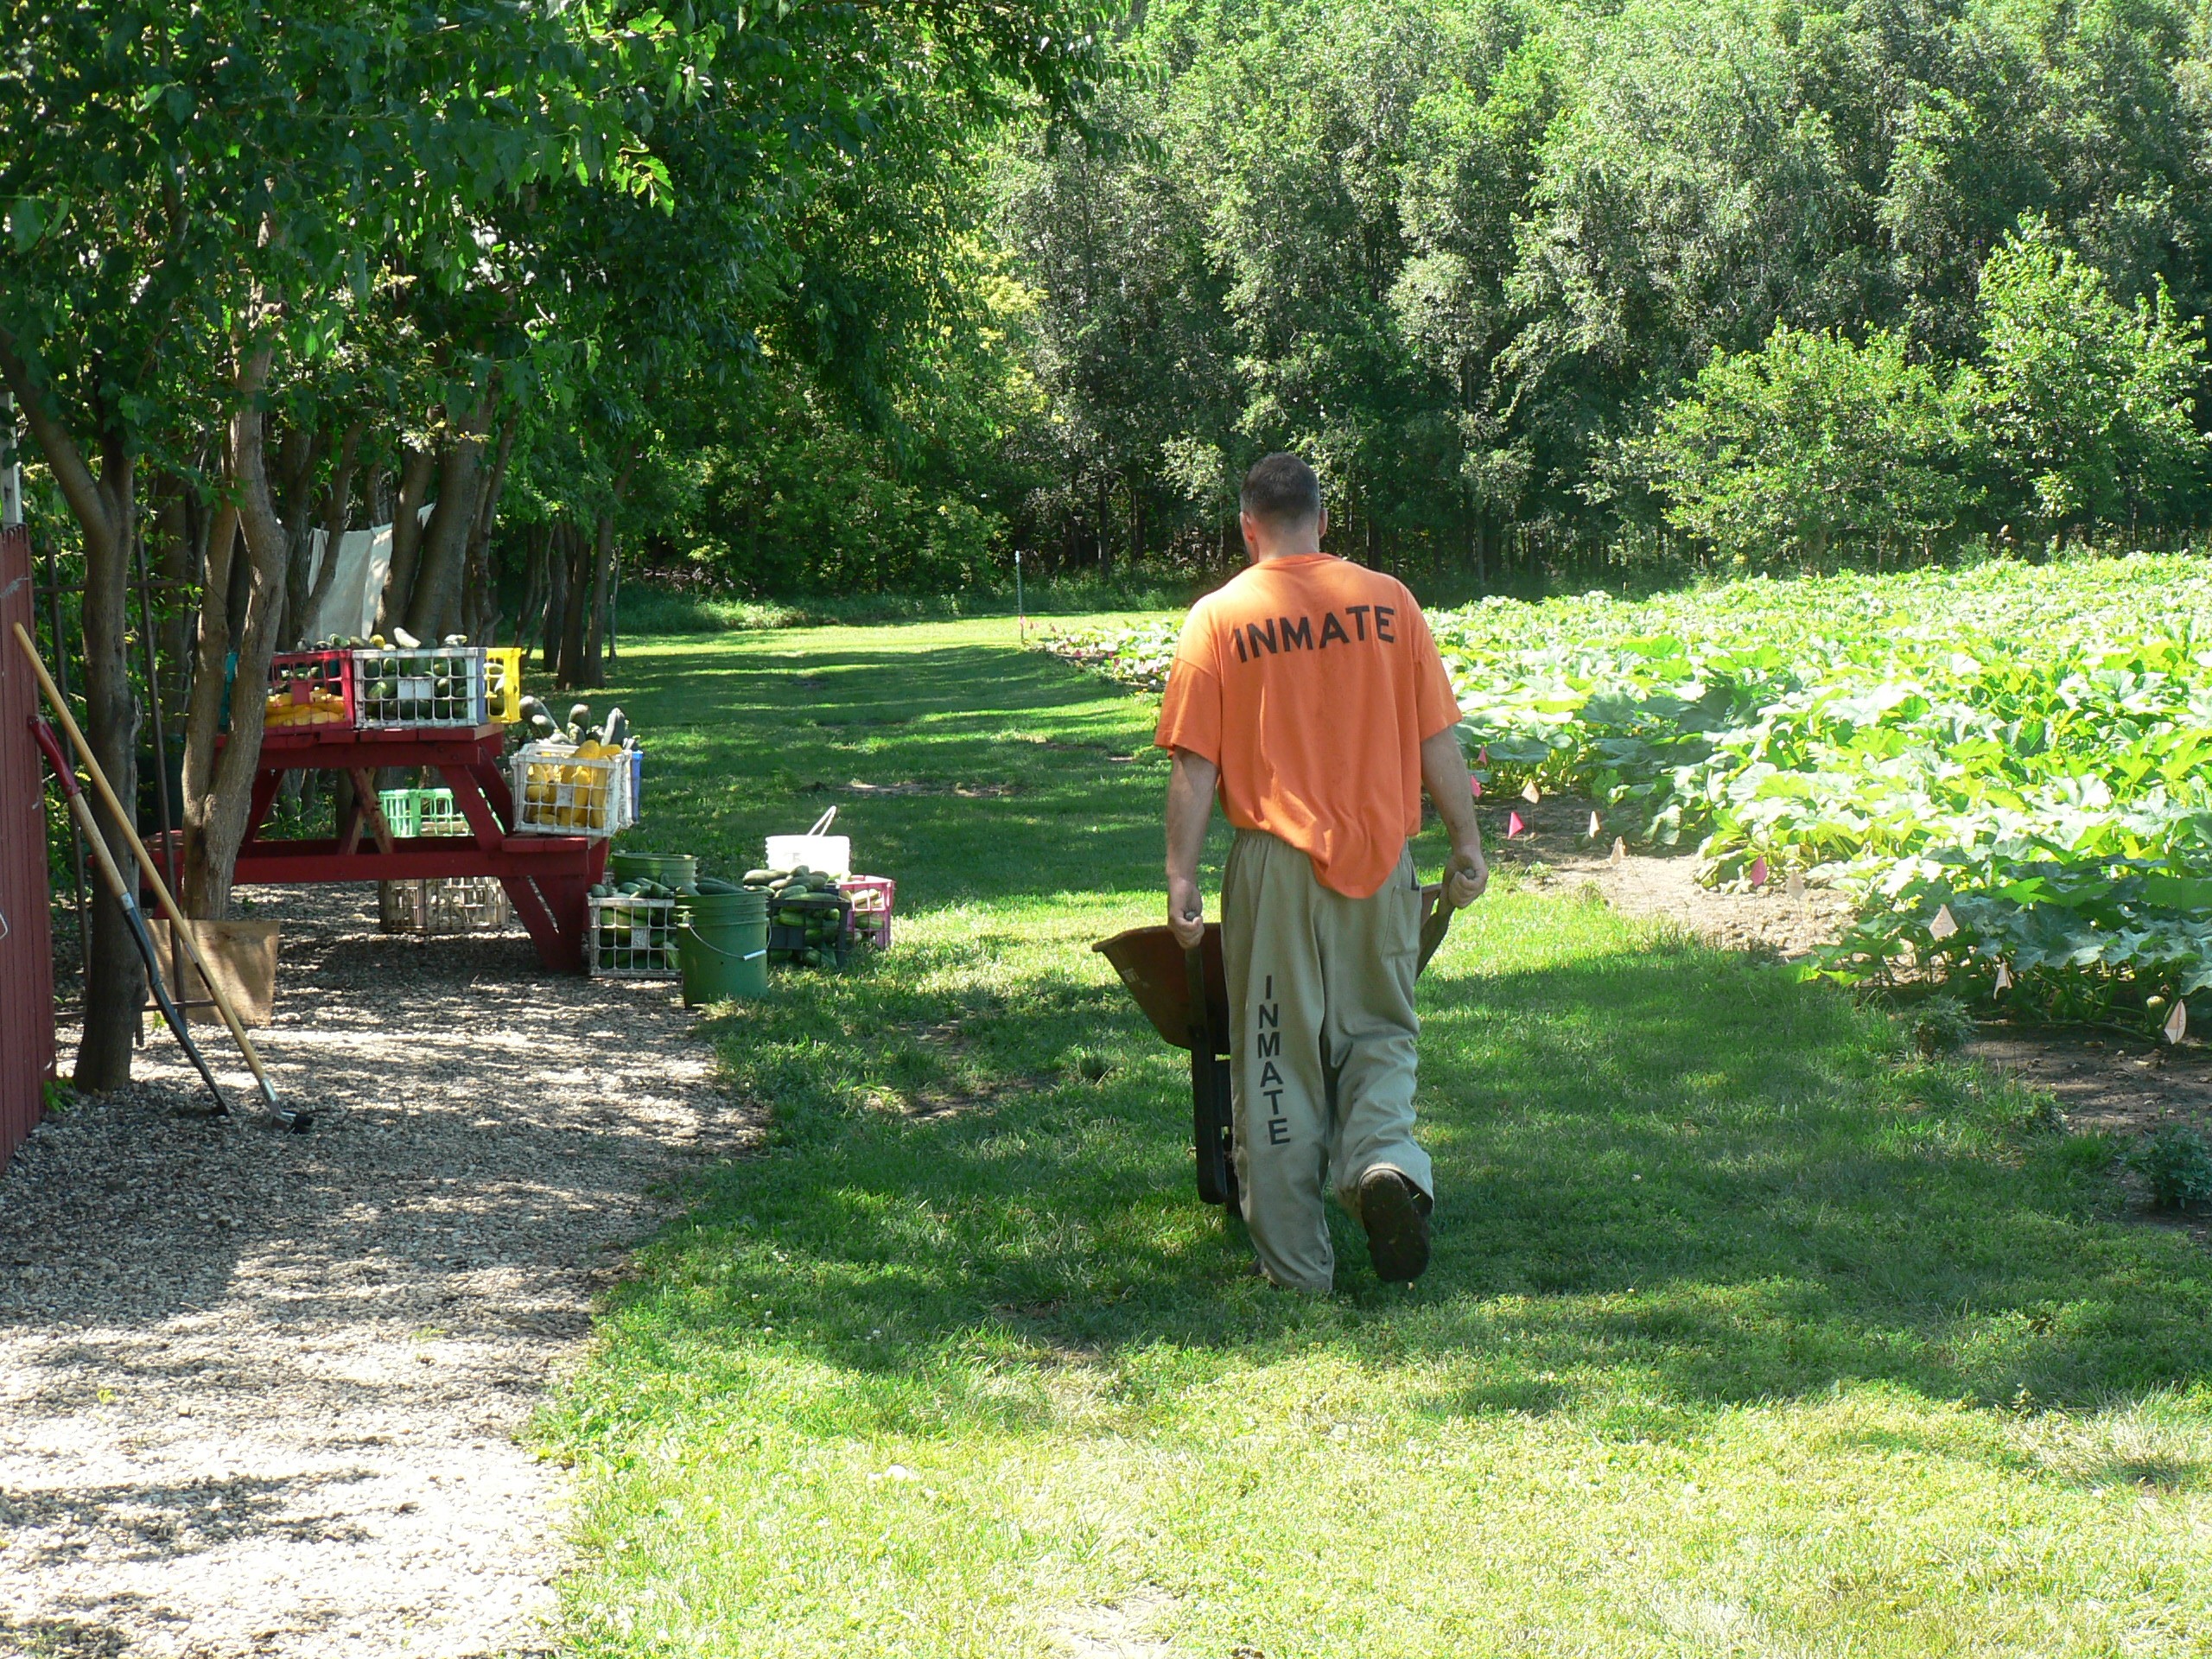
{"x": 716, "y": 884}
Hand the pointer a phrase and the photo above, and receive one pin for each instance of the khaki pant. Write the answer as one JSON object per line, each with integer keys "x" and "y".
{"x": 1322, "y": 1032}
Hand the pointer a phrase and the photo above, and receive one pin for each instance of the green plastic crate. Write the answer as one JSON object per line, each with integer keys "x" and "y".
{"x": 422, "y": 812}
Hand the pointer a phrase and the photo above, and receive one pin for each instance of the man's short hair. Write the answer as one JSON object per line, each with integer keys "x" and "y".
{"x": 1280, "y": 489}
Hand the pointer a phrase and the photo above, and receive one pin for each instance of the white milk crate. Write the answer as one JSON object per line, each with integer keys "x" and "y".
{"x": 433, "y": 685}
{"x": 559, "y": 793}
{"x": 444, "y": 904}
{"x": 631, "y": 938}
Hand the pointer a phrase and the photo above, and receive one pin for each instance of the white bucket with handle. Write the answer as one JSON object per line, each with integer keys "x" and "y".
{"x": 831, "y": 854}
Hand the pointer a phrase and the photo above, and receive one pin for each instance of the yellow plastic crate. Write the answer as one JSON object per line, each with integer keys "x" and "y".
{"x": 559, "y": 793}
{"x": 503, "y": 683}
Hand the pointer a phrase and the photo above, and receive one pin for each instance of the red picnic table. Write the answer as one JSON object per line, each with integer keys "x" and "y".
{"x": 546, "y": 877}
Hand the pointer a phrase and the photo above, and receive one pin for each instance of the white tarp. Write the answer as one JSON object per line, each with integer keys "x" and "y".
{"x": 350, "y": 606}
{"x": 364, "y": 561}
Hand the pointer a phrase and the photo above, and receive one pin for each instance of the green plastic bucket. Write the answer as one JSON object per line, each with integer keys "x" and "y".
{"x": 722, "y": 947}
{"x": 670, "y": 869}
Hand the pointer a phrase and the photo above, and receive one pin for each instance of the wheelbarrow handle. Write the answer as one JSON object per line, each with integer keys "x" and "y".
{"x": 1212, "y": 1133}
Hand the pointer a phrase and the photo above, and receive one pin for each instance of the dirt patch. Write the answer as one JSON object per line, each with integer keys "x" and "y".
{"x": 261, "y": 1391}
{"x": 1115, "y": 1631}
{"x": 2107, "y": 1084}
{"x": 1556, "y": 835}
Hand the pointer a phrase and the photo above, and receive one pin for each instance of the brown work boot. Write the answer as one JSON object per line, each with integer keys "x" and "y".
{"x": 1395, "y": 1214}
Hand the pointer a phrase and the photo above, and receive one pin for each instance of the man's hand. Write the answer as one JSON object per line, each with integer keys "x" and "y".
{"x": 1444, "y": 770}
{"x": 1468, "y": 875}
{"x": 1186, "y": 913}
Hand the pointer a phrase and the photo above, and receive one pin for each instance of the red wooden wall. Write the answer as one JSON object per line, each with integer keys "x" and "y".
{"x": 27, "y": 949}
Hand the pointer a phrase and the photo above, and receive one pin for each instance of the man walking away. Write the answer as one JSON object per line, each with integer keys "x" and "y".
{"x": 1308, "y": 691}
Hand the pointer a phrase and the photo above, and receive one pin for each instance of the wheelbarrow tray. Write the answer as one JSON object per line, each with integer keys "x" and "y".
{"x": 1152, "y": 966}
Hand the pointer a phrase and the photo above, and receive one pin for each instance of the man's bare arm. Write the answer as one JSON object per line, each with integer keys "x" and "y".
{"x": 1444, "y": 770}
{"x": 1190, "y": 809}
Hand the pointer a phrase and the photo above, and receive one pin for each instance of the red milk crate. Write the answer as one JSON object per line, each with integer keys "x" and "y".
{"x": 873, "y": 897}
{"x": 309, "y": 687}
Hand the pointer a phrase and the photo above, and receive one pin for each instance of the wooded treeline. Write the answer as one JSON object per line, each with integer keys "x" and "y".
{"x": 1758, "y": 280}
{"x": 1798, "y": 283}
{"x": 264, "y": 270}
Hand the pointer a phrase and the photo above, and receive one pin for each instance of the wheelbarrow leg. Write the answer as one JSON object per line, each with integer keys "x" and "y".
{"x": 1212, "y": 1120}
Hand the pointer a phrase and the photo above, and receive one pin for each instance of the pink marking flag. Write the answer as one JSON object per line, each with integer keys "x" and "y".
{"x": 1531, "y": 794}
{"x": 2177, "y": 1021}
{"x": 1478, "y": 783}
{"x": 2004, "y": 977}
{"x": 1594, "y": 826}
{"x": 1514, "y": 826}
{"x": 1945, "y": 923}
{"x": 1620, "y": 852}
{"x": 1482, "y": 756}
{"x": 1796, "y": 887}
{"x": 1759, "y": 872}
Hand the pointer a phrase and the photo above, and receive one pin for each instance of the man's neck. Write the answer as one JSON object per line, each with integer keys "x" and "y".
{"x": 1304, "y": 549}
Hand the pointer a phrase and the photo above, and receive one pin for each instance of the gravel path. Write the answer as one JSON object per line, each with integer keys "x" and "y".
{"x": 259, "y": 1392}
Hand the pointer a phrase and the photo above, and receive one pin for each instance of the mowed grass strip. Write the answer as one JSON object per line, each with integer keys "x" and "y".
{"x": 1749, "y": 1331}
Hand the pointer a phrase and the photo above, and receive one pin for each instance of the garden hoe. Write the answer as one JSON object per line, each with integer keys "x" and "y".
{"x": 1185, "y": 995}
{"x": 81, "y": 809}
{"x": 179, "y": 929}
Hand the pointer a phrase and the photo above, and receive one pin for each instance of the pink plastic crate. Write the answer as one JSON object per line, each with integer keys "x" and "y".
{"x": 874, "y": 897}
{"x": 319, "y": 684}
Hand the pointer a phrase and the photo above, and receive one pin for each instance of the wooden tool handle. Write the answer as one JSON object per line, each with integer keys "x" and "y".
{"x": 178, "y": 926}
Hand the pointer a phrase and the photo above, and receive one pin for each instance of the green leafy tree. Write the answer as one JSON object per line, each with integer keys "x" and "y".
{"x": 1809, "y": 449}
{"x": 2090, "y": 404}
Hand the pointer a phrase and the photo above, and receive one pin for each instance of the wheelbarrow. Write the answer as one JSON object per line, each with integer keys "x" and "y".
{"x": 1185, "y": 995}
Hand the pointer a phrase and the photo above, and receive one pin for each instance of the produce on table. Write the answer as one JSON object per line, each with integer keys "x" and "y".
{"x": 563, "y": 791}
{"x": 317, "y": 709}
{"x": 2020, "y": 750}
{"x": 404, "y": 683}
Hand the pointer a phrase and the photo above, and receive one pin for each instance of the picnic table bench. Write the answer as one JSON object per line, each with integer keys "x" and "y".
{"x": 546, "y": 877}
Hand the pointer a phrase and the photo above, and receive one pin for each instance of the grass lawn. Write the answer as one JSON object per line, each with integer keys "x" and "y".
{"x": 1748, "y": 1332}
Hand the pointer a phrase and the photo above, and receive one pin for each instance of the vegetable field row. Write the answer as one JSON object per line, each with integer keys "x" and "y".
{"x": 2004, "y": 766}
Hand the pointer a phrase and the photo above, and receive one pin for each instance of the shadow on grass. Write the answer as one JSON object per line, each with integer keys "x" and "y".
{"x": 986, "y": 772}
{"x": 1669, "y": 1177}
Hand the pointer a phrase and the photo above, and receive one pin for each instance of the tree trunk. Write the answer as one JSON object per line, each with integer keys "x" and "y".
{"x": 556, "y": 597}
{"x": 481, "y": 609}
{"x": 115, "y": 983}
{"x": 296, "y": 463}
{"x": 337, "y": 514}
{"x": 533, "y": 577}
{"x": 594, "y": 671}
{"x": 105, "y": 509}
{"x": 567, "y": 672}
{"x": 219, "y": 786}
{"x": 175, "y": 552}
{"x": 603, "y": 582}
{"x": 434, "y": 609}
{"x": 406, "y": 536}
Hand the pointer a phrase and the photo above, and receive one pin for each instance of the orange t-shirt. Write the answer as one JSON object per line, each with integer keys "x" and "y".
{"x": 1312, "y": 682}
